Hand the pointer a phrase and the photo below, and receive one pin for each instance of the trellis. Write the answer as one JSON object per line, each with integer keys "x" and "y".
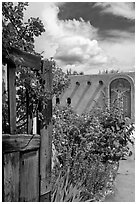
{"x": 27, "y": 158}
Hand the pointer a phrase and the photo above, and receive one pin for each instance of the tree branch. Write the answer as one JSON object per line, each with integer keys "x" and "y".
{"x": 11, "y": 20}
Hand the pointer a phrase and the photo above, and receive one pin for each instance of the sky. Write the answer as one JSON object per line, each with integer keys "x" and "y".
{"x": 87, "y": 36}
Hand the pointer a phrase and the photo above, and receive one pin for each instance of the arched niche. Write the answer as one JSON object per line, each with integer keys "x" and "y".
{"x": 120, "y": 95}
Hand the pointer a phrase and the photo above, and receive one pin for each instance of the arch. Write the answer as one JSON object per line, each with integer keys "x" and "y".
{"x": 130, "y": 97}
{"x": 124, "y": 77}
{"x": 120, "y": 95}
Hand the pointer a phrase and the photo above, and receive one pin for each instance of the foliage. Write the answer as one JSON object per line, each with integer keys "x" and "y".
{"x": 29, "y": 88}
{"x": 29, "y": 83}
{"x": 60, "y": 80}
{"x": 111, "y": 133}
{"x": 5, "y": 123}
{"x": 32, "y": 83}
{"x": 88, "y": 143}
{"x": 16, "y": 32}
{"x": 64, "y": 191}
{"x": 112, "y": 71}
{"x": 69, "y": 72}
{"x": 19, "y": 34}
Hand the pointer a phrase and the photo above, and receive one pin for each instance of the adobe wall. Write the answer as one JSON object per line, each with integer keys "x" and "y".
{"x": 87, "y": 90}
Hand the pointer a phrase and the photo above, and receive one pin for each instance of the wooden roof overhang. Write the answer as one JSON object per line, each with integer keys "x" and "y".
{"x": 19, "y": 57}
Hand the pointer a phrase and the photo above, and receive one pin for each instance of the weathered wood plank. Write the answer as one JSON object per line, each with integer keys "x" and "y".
{"x": 25, "y": 59}
{"x": 12, "y": 97}
{"x": 19, "y": 142}
{"x": 29, "y": 177}
{"x": 11, "y": 177}
{"x": 45, "y": 159}
{"x": 46, "y": 134}
{"x": 29, "y": 124}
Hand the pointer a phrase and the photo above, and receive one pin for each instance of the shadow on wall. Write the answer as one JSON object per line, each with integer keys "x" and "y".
{"x": 75, "y": 89}
{"x": 94, "y": 95}
{"x": 83, "y": 94}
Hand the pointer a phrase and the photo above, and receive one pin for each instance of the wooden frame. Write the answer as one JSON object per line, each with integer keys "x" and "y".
{"x": 17, "y": 148}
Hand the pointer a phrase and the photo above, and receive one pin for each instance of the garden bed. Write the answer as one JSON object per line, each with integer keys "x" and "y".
{"x": 87, "y": 153}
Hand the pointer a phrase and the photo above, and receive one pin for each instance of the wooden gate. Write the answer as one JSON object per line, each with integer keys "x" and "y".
{"x": 26, "y": 157}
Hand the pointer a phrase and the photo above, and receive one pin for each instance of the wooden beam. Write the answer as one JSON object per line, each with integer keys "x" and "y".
{"x": 20, "y": 142}
{"x": 25, "y": 59}
{"x": 12, "y": 97}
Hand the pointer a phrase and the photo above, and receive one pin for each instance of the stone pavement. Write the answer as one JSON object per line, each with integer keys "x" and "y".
{"x": 125, "y": 182}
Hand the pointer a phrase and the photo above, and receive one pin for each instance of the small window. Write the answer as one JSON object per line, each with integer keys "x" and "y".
{"x": 57, "y": 101}
{"x": 101, "y": 82}
{"x": 77, "y": 83}
{"x": 68, "y": 101}
{"x": 88, "y": 83}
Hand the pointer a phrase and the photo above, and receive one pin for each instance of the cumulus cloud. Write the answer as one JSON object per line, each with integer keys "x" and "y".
{"x": 78, "y": 45}
{"x": 75, "y": 39}
{"x": 78, "y": 49}
{"x": 123, "y": 9}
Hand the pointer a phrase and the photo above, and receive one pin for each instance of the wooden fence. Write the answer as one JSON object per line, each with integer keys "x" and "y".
{"x": 27, "y": 158}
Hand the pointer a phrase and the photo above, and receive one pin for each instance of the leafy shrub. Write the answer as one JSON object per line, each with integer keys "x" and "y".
{"x": 90, "y": 145}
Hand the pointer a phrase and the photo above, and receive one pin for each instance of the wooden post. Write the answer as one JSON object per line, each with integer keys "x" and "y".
{"x": 46, "y": 137}
{"x": 11, "y": 68}
{"x": 29, "y": 111}
{"x": 34, "y": 129}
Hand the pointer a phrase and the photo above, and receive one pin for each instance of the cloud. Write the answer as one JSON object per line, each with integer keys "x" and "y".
{"x": 76, "y": 44}
{"x": 63, "y": 28}
{"x": 117, "y": 35}
{"x": 75, "y": 39}
{"x": 120, "y": 56}
{"x": 123, "y": 9}
{"x": 121, "y": 53}
{"x": 77, "y": 49}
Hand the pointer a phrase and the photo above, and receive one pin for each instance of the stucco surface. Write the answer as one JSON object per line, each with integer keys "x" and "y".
{"x": 84, "y": 96}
